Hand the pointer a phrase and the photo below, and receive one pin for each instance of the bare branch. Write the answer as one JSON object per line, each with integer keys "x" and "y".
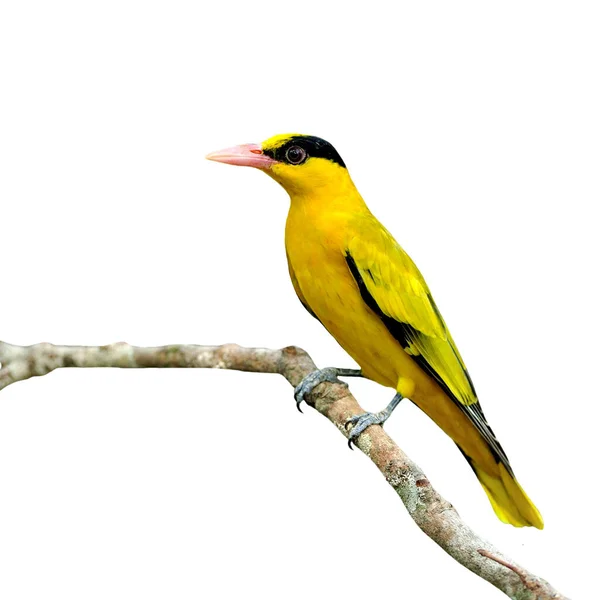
{"x": 434, "y": 515}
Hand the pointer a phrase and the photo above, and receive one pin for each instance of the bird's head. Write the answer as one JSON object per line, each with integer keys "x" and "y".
{"x": 300, "y": 163}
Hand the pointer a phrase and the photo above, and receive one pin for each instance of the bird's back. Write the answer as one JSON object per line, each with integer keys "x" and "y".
{"x": 352, "y": 275}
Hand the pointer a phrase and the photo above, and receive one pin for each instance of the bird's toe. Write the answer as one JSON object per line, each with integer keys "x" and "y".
{"x": 360, "y": 423}
{"x": 312, "y": 380}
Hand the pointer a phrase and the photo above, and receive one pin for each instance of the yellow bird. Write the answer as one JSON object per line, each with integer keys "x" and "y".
{"x": 351, "y": 274}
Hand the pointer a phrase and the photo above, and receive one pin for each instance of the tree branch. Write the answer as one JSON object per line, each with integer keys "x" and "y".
{"x": 435, "y": 516}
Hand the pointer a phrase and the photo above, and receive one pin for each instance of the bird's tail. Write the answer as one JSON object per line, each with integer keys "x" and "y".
{"x": 509, "y": 501}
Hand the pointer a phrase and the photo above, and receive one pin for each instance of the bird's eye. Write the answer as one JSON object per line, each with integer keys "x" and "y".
{"x": 295, "y": 155}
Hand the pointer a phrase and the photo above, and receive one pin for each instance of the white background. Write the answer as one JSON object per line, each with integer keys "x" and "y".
{"x": 472, "y": 129}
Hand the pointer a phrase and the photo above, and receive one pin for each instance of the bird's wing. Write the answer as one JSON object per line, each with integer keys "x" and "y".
{"x": 394, "y": 289}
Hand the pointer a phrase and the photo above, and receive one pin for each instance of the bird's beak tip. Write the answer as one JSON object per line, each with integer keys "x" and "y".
{"x": 246, "y": 155}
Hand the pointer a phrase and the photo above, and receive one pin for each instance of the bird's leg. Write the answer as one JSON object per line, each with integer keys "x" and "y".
{"x": 361, "y": 422}
{"x": 312, "y": 380}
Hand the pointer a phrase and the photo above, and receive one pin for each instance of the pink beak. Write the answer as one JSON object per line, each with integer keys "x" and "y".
{"x": 246, "y": 155}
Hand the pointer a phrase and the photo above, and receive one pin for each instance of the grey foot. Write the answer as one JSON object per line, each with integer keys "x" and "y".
{"x": 312, "y": 380}
{"x": 361, "y": 422}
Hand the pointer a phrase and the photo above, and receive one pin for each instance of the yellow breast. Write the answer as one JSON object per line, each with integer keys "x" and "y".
{"x": 315, "y": 249}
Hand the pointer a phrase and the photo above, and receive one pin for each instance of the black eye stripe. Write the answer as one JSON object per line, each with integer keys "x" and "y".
{"x": 313, "y": 146}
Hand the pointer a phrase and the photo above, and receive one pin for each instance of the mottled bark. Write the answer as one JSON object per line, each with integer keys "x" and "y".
{"x": 434, "y": 515}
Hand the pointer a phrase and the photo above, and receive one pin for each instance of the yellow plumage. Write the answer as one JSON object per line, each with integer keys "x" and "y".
{"x": 352, "y": 275}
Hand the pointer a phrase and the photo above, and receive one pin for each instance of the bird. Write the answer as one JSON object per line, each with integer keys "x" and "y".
{"x": 352, "y": 275}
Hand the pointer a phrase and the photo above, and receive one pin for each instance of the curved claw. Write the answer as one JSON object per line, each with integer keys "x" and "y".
{"x": 361, "y": 422}
{"x": 312, "y": 380}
